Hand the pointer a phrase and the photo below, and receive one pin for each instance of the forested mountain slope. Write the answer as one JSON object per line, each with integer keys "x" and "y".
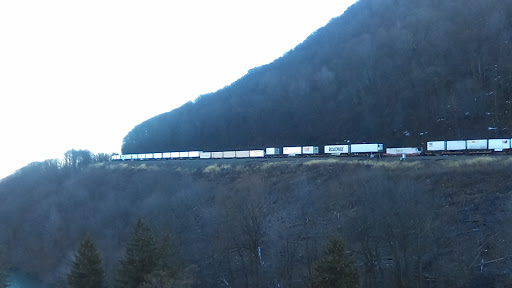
{"x": 395, "y": 71}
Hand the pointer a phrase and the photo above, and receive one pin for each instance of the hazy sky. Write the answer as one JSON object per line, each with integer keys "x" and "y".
{"x": 82, "y": 74}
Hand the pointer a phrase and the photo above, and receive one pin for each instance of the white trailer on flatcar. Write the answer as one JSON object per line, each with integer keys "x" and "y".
{"x": 256, "y": 153}
{"x": 292, "y": 151}
{"x": 478, "y": 144}
{"x": 309, "y": 150}
{"x": 229, "y": 154}
{"x": 498, "y": 145}
{"x": 242, "y": 154}
{"x": 366, "y": 148}
{"x": 217, "y": 155}
{"x": 272, "y": 151}
{"x": 409, "y": 151}
{"x": 205, "y": 155}
{"x": 455, "y": 145}
{"x": 435, "y": 146}
{"x": 194, "y": 154}
{"x": 336, "y": 149}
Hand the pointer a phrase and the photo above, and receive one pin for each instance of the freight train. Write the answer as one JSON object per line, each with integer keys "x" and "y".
{"x": 477, "y": 146}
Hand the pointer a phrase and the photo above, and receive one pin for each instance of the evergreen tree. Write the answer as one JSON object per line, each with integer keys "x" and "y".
{"x": 86, "y": 270}
{"x": 4, "y": 278}
{"x": 334, "y": 269}
{"x": 141, "y": 257}
{"x": 4, "y": 275}
{"x": 168, "y": 272}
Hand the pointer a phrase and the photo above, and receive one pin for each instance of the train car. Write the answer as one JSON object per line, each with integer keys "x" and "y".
{"x": 499, "y": 145}
{"x": 405, "y": 151}
{"x": 166, "y": 155}
{"x": 337, "y": 149}
{"x": 272, "y": 151}
{"x": 194, "y": 154}
{"x": 242, "y": 154}
{"x": 366, "y": 148}
{"x": 292, "y": 151}
{"x": 175, "y": 155}
{"x": 229, "y": 154}
{"x": 478, "y": 145}
{"x": 205, "y": 155}
{"x": 217, "y": 155}
{"x": 456, "y": 145}
{"x": 436, "y": 146}
{"x": 309, "y": 150}
{"x": 256, "y": 153}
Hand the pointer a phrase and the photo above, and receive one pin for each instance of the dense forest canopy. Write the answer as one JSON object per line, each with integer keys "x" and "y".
{"x": 399, "y": 72}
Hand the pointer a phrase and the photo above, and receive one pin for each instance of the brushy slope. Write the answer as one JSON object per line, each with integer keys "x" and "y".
{"x": 399, "y": 72}
{"x": 433, "y": 222}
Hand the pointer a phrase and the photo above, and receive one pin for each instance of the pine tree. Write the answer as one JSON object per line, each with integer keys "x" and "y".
{"x": 4, "y": 278}
{"x": 86, "y": 270}
{"x": 4, "y": 275}
{"x": 334, "y": 269}
{"x": 141, "y": 257}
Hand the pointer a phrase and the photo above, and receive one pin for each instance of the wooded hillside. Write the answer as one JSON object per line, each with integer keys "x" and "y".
{"x": 394, "y": 71}
{"x": 435, "y": 222}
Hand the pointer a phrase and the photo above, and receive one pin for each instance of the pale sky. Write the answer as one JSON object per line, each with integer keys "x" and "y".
{"x": 82, "y": 74}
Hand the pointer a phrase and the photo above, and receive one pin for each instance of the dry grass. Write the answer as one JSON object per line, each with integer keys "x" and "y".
{"x": 215, "y": 168}
{"x": 322, "y": 161}
{"x": 271, "y": 165}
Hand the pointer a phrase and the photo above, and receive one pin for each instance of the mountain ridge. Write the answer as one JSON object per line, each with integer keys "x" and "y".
{"x": 386, "y": 71}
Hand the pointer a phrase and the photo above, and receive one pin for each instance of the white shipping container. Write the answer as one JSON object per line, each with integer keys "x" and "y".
{"x": 455, "y": 145}
{"x": 166, "y": 155}
{"x": 175, "y": 155}
{"x": 479, "y": 144}
{"x": 436, "y": 146}
{"x": 292, "y": 150}
{"x": 217, "y": 155}
{"x": 194, "y": 154}
{"x": 499, "y": 144}
{"x": 242, "y": 154}
{"x": 309, "y": 150}
{"x": 256, "y": 153}
{"x": 272, "y": 151}
{"x": 366, "y": 148}
{"x": 205, "y": 155}
{"x": 404, "y": 150}
{"x": 229, "y": 154}
{"x": 336, "y": 149}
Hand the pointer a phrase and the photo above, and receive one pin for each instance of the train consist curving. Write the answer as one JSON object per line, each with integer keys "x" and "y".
{"x": 477, "y": 146}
